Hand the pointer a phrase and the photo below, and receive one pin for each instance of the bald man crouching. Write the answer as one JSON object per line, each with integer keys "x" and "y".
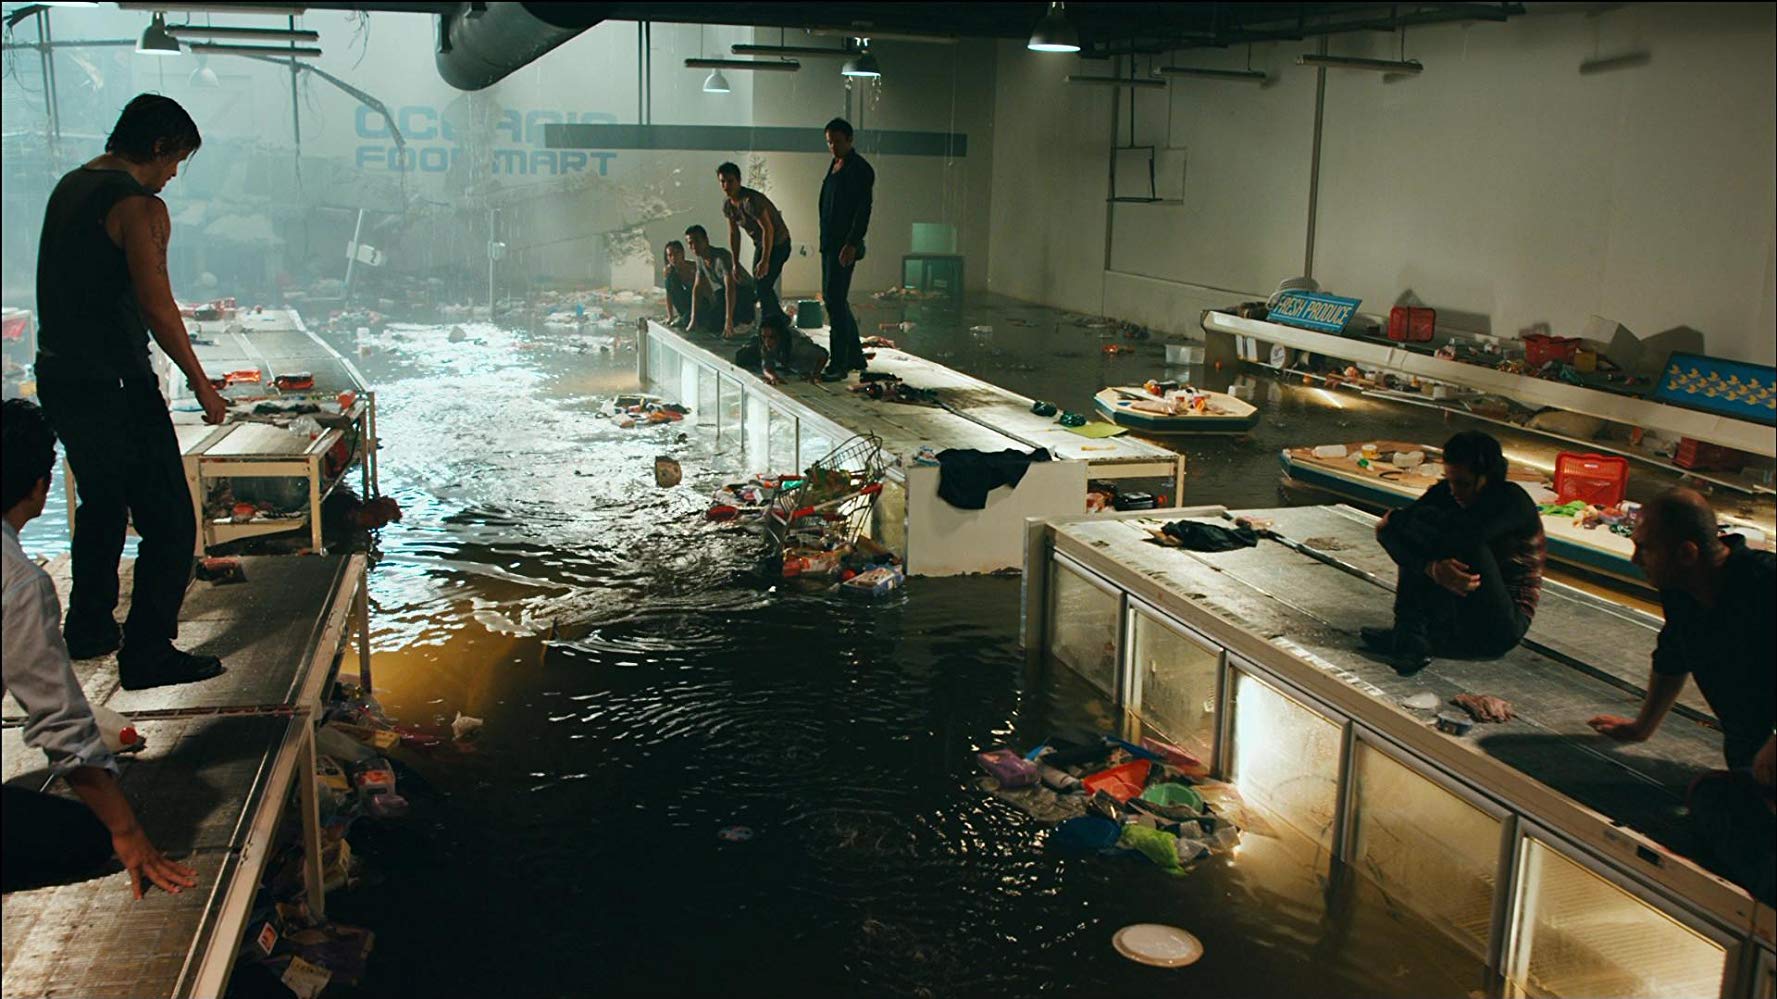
{"x": 1721, "y": 628}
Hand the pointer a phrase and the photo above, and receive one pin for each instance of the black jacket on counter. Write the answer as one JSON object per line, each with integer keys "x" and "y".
{"x": 845, "y": 204}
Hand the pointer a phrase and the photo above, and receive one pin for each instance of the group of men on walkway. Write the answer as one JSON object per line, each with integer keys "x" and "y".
{"x": 709, "y": 292}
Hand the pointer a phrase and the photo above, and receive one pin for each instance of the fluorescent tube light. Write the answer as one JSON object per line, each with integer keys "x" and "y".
{"x": 1115, "y": 81}
{"x": 793, "y": 50}
{"x": 1249, "y": 75}
{"x": 1607, "y": 63}
{"x": 786, "y": 66}
{"x": 271, "y": 51}
{"x": 253, "y": 34}
{"x": 1407, "y": 67}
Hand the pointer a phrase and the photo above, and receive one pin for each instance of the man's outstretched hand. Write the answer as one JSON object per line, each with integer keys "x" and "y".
{"x": 1618, "y": 728}
{"x": 143, "y": 860}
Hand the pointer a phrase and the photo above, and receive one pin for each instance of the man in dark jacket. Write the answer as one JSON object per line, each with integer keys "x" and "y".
{"x": 1471, "y": 553}
{"x": 845, "y": 216}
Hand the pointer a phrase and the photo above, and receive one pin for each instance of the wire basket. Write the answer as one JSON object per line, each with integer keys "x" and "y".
{"x": 831, "y": 505}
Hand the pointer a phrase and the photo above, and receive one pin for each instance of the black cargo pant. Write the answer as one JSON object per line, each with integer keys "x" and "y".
{"x": 1484, "y": 624}
{"x": 766, "y": 286}
{"x": 49, "y": 840}
{"x": 843, "y": 343}
{"x": 120, "y": 443}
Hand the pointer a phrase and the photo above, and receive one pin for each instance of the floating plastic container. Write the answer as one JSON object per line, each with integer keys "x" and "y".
{"x": 1593, "y": 478}
{"x": 1541, "y": 348}
{"x": 1174, "y": 800}
{"x": 1007, "y": 767}
{"x": 876, "y": 583}
{"x": 810, "y": 314}
{"x": 1120, "y": 782}
{"x": 1184, "y": 353}
{"x": 1412, "y": 325}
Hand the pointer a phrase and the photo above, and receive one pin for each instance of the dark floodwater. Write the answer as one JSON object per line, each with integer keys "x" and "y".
{"x": 575, "y": 850}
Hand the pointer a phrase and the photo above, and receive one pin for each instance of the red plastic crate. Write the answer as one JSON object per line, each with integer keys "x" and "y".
{"x": 1540, "y": 349}
{"x": 1594, "y": 478}
{"x": 1412, "y": 324}
{"x": 1699, "y": 456}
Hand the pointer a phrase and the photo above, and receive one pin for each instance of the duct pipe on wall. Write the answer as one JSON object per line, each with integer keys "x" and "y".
{"x": 480, "y": 44}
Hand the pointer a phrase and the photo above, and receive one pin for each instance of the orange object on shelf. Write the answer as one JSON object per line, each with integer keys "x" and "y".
{"x": 244, "y": 375}
{"x": 1594, "y": 478}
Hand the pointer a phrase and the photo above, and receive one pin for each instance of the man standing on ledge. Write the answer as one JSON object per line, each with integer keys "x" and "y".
{"x": 750, "y": 210}
{"x": 845, "y": 215}
{"x": 102, "y": 277}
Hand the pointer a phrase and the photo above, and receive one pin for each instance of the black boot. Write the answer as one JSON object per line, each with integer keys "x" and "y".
{"x": 1406, "y": 651}
{"x": 90, "y": 641}
{"x": 164, "y": 667}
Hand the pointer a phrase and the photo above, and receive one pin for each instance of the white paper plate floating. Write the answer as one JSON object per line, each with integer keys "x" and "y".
{"x": 1161, "y": 946}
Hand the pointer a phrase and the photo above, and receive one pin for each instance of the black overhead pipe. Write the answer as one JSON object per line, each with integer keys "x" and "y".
{"x": 479, "y": 44}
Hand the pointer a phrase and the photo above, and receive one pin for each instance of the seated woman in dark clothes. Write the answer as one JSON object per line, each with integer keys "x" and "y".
{"x": 1471, "y": 554}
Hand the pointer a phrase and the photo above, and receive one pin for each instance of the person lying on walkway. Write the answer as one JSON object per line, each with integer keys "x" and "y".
{"x": 785, "y": 350}
{"x": 1470, "y": 552}
{"x": 681, "y": 278}
{"x": 1718, "y": 596}
{"x": 720, "y": 293}
{"x": 49, "y": 839}
{"x": 745, "y": 208}
{"x": 102, "y": 288}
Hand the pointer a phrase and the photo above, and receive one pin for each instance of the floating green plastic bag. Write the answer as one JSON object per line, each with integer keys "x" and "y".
{"x": 1157, "y": 845}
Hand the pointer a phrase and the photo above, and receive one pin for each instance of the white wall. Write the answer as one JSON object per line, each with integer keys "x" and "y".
{"x": 1049, "y": 182}
{"x": 1500, "y": 185}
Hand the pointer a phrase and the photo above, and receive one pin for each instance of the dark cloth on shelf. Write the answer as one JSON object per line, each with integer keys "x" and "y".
{"x": 965, "y": 477}
{"x": 127, "y": 470}
{"x": 49, "y": 840}
{"x": 1729, "y": 648}
{"x": 88, "y": 323}
{"x": 1200, "y": 537}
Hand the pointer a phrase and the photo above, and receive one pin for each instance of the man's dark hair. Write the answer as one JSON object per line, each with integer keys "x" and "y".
{"x": 697, "y": 231}
{"x": 728, "y": 170}
{"x": 151, "y": 126}
{"x": 1479, "y": 453}
{"x": 29, "y": 450}
{"x": 673, "y": 244}
{"x": 839, "y": 125}
{"x": 1680, "y": 515}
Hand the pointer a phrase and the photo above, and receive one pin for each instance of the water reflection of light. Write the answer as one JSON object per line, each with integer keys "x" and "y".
{"x": 1329, "y": 398}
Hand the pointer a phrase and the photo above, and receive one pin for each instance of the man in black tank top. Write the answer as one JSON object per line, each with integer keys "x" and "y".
{"x": 102, "y": 289}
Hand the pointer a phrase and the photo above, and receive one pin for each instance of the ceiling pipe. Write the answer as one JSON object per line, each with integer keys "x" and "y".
{"x": 480, "y": 44}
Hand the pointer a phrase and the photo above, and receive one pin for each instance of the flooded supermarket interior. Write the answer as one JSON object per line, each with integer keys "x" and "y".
{"x": 897, "y": 499}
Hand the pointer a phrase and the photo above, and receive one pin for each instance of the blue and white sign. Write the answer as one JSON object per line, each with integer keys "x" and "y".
{"x": 1313, "y": 310}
